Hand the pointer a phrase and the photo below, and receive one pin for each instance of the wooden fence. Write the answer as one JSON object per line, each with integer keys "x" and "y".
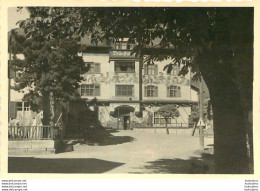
{"x": 32, "y": 132}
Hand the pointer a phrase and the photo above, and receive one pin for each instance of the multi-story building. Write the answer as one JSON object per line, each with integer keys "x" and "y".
{"x": 119, "y": 91}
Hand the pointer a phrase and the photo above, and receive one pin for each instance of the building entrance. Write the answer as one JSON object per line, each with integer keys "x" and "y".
{"x": 124, "y": 122}
{"x": 123, "y": 117}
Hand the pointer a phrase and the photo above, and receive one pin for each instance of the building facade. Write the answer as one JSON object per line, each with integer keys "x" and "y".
{"x": 120, "y": 91}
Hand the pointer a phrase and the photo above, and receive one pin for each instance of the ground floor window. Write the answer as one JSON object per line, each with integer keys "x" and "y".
{"x": 151, "y": 91}
{"x": 173, "y": 91}
{"x": 22, "y": 106}
{"x": 90, "y": 90}
{"x": 125, "y": 90}
{"x": 14, "y": 107}
{"x": 160, "y": 120}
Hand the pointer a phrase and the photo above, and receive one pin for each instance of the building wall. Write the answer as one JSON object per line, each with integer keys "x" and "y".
{"x": 79, "y": 114}
{"x": 108, "y": 79}
{"x": 194, "y": 95}
{"x": 162, "y": 80}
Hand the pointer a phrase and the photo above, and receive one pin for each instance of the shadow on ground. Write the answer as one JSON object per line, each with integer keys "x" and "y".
{"x": 193, "y": 165}
{"x": 100, "y": 137}
{"x": 40, "y": 165}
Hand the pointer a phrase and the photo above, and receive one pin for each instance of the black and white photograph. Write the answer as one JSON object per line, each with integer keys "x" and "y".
{"x": 130, "y": 90}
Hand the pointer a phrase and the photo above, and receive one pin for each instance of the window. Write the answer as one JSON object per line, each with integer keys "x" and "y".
{"x": 125, "y": 67}
{"x": 151, "y": 69}
{"x": 175, "y": 70}
{"x": 19, "y": 106}
{"x": 123, "y": 45}
{"x": 160, "y": 120}
{"x": 125, "y": 90}
{"x": 90, "y": 90}
{"x": 22, "y": 106}
{"x": 151, "y": 91}
{"x": 173, "y": 91}
{"x": 26, "y": 106}
{"x": 94, "y": 68}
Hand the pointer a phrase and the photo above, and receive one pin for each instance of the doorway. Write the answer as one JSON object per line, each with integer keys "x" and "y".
{"x": 126, "y": 120}
{"x": 123, "y": 113}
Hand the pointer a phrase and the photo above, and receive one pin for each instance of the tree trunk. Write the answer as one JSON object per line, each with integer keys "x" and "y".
{"x": 46, "y": 109}
{"x": 230, "y": 134}
{"x": 167, "y": 129}
{"x": 218, "y": 66}
{"x": 242, "y": 43}
{"x": 230, "y": 149}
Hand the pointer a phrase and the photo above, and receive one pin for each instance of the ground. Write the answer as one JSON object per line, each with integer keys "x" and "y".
{"x": 129, "y": 151}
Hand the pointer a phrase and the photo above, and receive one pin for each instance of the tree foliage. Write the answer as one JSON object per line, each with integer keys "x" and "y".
{"x": 216, "y": 43}
{"x": 169, "y": 111}
{"x": 49, "y": 66}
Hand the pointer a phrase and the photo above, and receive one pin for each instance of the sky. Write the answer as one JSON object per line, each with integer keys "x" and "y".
{"x": 14, "y": 17}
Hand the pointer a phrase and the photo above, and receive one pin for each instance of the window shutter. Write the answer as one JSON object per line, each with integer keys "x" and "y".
{"x": 145, "y": 69}
{"x": 82, "y": 90}
{"x": 168, "y": 91}
{"x": 155, "y": 69}
{"x": 145, "y": 91}
{"x": 12, "y": 110}
{"x": 11, "y": 73}
{"x": 79, "y": 90}
{"x": 155, "y": 91}
{"x": 178, "y": 91}
{"x": 133, "y": 93}
{"x": 97, "y": 90}
{"x": 97, "y": 68}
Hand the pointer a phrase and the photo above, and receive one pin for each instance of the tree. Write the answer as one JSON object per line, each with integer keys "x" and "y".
{"x": 50, "y": 70}
{"x": 216, "y": 43}
{"x": 168, "y": 111}
{"x": 195, "y": 114}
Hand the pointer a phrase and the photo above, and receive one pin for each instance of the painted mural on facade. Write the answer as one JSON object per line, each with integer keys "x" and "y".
{"x": 161, "y": 78}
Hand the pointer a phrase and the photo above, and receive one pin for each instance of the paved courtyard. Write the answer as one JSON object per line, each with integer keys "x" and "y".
{"x": 141, "y": 152}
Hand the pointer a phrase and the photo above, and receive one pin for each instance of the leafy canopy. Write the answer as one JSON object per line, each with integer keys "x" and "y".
{"x": 48, "y": 66}
{"x": 168, "y": 111}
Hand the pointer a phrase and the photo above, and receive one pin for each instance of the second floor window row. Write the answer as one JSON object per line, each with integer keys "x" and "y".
{"x": 128, "y": 90}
